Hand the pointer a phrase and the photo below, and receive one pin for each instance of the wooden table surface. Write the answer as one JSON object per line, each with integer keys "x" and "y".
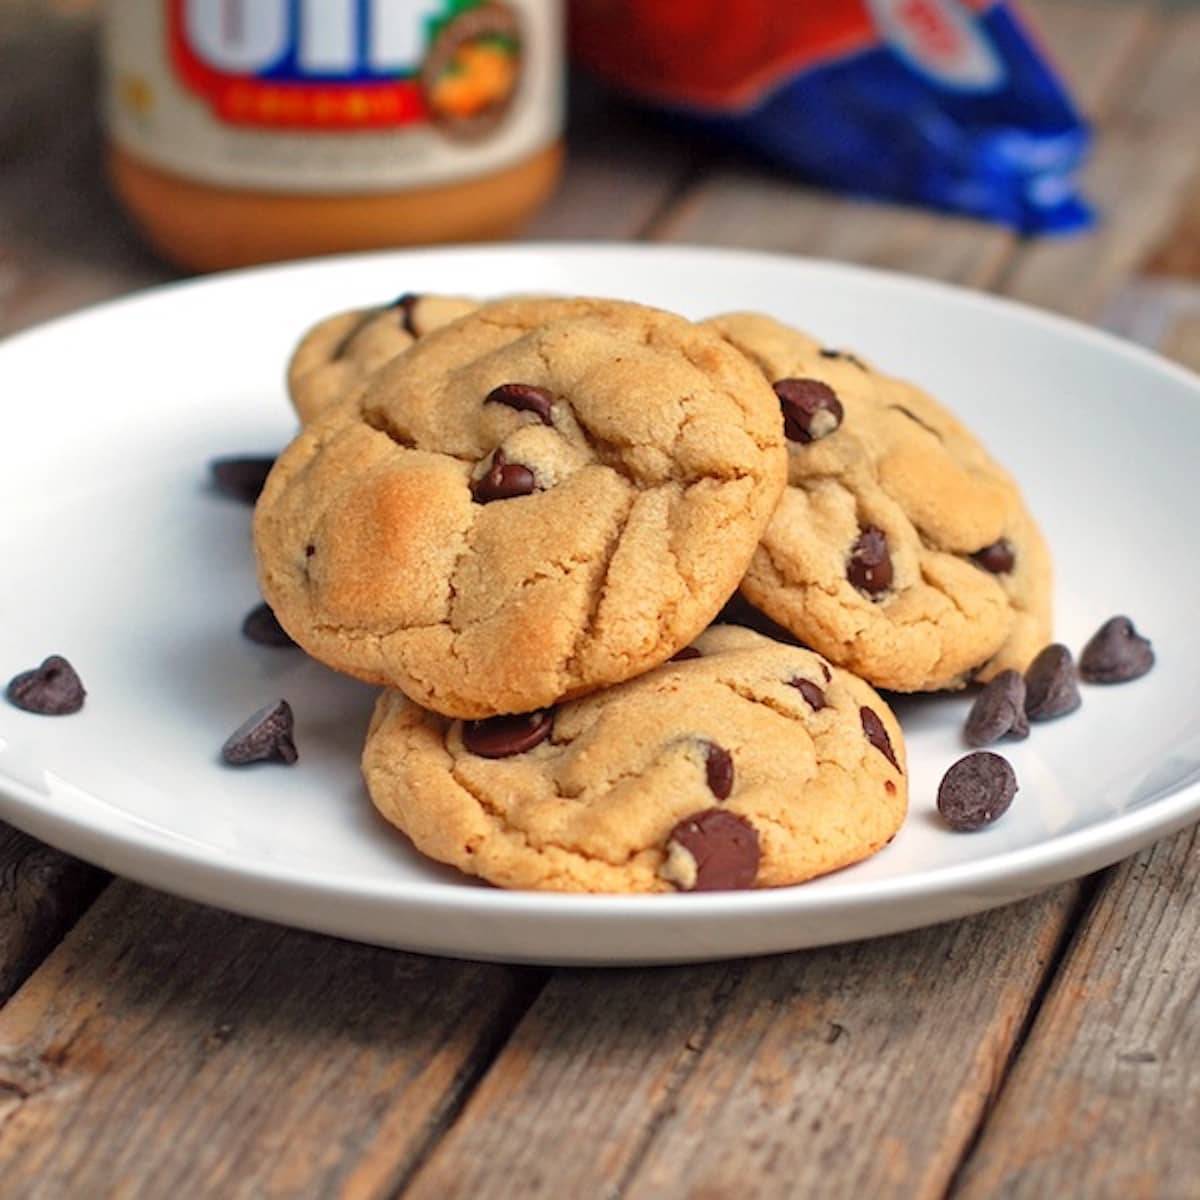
{"x": 151, "y": 1047}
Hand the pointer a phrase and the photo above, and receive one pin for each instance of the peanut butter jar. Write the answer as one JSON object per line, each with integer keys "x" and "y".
{"x": 248, "y": 131}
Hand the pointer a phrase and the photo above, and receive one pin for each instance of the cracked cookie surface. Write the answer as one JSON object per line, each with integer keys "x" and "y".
{"x": 338, "y": 353}
{"x": 900, "y": 549}
{"x": 540, "y": 499}
{"x": 744, "y": 763}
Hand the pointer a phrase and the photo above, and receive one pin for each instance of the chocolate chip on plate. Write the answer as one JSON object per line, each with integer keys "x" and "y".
{"x": 869, "y": 567}
{"x": 502, "y": 737}
{"x": 877, "y": 735}
{"x": 1116, "y": 653}
{"x": 503, "y": 481}
{"x": 976, "y": 791}
{"x": 265, "y": 736}
{"x": 712, "y": 851}
{"x": 262, "y": 626}
{"x": 811, "y": 409}
{"x": 524, "y": 397}
{"x": 1051, "y": 688}
{"x": 998, "y": 711}
{"x": 52, "y": 689}
{"x": 811, "y": 693}
{"x": 999, "y": 558}
{"x": 241, "y": 478}
{"x": 718, "y": 770}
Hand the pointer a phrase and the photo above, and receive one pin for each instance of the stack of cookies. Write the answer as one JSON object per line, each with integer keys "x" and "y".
{"x": 522, "y": 519}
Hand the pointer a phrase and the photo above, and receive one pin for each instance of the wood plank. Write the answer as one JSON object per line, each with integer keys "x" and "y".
{"x": 622, "y": 169}
{"x": 1103, "y": 1100}
{"x": 1138, "y": 177}
{"x": 63, "y": 242}
{"x": 166, "y": 1048}
{"x": 1178, "y": 251}
{"x": 854, "y": 1071}
{"x": 42, "y": 894}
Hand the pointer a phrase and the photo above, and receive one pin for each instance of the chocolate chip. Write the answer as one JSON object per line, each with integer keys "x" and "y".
{"x": 811, "y": 409}
{"x": 1051, "y": 689}
{"x": 811, "y": 693}
{"x": 718, "y": 770}
{"x": 524, "y": 397}
{"x": 998, "y": 711}
{"x": 826, "y": 671}
{"x": 241, "y": 478}
{"x": 999, "y": 557}
{"x": 309, "y": 550}
{"x": 870, "y": 565}
{"x": 407, "y": 303}
{"x": 976, "y": 791}
{"x": 265, "y": 736}
{"x": 502, "y": 737}
{"x": 712, "y": 851}
{"x": 503, "y": 481}
{"x": 685, "y": 655}
{"x": 877, "y": 735}
{"x": 1116, "y": 653}
{"x": 51, "y": 690}
{"x": 844, "y": 356}
{"x": 262, "y": 626}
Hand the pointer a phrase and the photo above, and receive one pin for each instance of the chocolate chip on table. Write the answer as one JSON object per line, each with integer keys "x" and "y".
{"x": 869, "y": 567}
{"x": 241, "y": 478}
{"x": 262, "y": 626}
{"x": 811, "y": 693}
{"x": 1116, "y": 653}
{"x": 999, "y": 558}
{"x": 265, "y": 736}
{"x": 524, "y": 397}
{"x": 685, "y": 655}
{"x": 712, "y": 851}
{"x": 998, "y": 711}
{"x": 877, "y": 735}
{"x": 976, "y": 791}
{"x": 1051, "y": 688}
{"x": 811, "y": 409}
{"x": 502, "y": 737}
{"x": 52, "y": 689}
{"x": 503, "y": 481}
{"x": 718, "y": 770}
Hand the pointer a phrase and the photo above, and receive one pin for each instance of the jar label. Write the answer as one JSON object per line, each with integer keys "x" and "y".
{"x": 333, "y": 96}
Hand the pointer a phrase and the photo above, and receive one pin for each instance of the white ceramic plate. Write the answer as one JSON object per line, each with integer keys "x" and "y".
{"x": 116, "y": 554}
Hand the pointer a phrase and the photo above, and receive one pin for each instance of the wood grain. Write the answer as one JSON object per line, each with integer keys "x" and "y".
{"x": 1142, "y": 165}
{"x": 853, "y": 1071}
{"x": 42, "y": 894}
{"x": 166, "y": 1048}
{"x": 1103, "y": 1101}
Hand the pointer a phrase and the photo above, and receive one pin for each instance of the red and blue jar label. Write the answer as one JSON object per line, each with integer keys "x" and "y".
{"x": 251, "y": 91}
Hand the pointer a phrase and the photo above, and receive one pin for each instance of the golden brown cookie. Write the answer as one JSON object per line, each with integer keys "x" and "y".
{"x": 339, "y": 352}
{"x": 742, "y": 763}
{"x": 541, "y": 499}
{"x": 900, "y": 549}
